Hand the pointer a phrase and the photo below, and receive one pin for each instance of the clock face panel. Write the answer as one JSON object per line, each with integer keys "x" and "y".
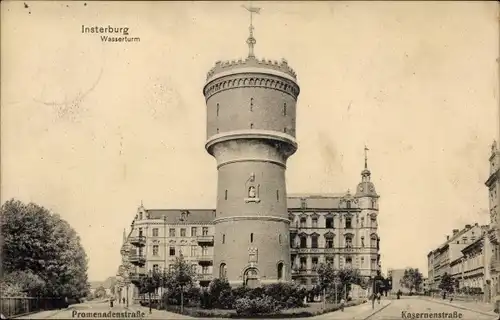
{"x": 361, "y": 188}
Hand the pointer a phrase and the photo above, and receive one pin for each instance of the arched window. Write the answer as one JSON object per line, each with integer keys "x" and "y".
{"x": 222, "y": 271}
{"x": 251, "y": 125}
{"x": 280, "y": 271}
{"x": 303, "y": 241}
{"x": 223, "y": 238}
{"x": 348, "y": 241}
{"x": 314, "y": 241}
{"x": 373, "y": 241}
{"x": 251, "y": 237}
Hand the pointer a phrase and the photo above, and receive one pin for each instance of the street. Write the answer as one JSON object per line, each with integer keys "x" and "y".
{"x": 416, "y": 308}
{"x": 406, "y": 308}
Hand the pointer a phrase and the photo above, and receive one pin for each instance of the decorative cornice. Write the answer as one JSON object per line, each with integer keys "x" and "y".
{"x": 251, "y": 80}
{"x": 237, "y": 66}
{"x": 252, "y": 160}
{"x": 253, "y": 134}
{"x": 261, "y": 218}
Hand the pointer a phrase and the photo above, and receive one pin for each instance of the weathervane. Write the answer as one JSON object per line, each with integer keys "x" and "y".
{"x": 251, "y": 40}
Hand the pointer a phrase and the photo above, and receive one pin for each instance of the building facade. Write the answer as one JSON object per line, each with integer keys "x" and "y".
{"x": 340, "y": 229}
{"x": 493, "y": 185}
{"x": 440, "y": 260}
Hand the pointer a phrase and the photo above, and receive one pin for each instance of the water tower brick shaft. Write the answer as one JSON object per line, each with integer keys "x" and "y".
{"x": 251, "y": 109}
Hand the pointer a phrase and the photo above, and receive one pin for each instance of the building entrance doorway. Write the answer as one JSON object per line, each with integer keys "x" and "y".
{"x": 251, "y": 278}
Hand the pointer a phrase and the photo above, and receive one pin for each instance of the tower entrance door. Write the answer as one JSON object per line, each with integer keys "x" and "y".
{"x": 251, "y": 278}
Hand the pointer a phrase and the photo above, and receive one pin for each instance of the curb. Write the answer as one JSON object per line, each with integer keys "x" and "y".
{"x": 377, "y": 311}
{"x": 464, "y": 308}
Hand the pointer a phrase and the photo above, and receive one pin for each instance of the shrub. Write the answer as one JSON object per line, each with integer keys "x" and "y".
{"x": 286, "y": 294}
{"x": 220, "y": 294}
{"x": 264, "y": 305}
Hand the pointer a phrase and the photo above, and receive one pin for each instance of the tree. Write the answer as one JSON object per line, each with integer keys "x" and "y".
{"x": 40, "y": 243}
{"x": 448, "y": 284}
{"x": 412, "y": 279}
{"x": 149, "y": 284}
{"x": 100, "y": 292}
{"x": 178, "y": 279}
{"x": 337, "y": 283}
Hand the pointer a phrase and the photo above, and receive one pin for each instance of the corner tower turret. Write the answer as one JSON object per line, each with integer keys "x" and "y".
{"x": 251, "y": 133}
{"x": 368, "y": 203}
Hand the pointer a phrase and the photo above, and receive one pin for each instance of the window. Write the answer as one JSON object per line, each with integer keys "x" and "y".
{"x": 348, "y": 242}
{"x": 217, "y": 109}
{"x": 155, "y": 232}
{"x": 183, "y": 232}
{"x": 373, "y": 243}
{"x": 303, "y": 222}
{"x": 374, "y": 221}
{"x": 251, "y": 104}
{"x": 284, "y": 109}
{"x": 204, "y": 270}
{"x": 171, "y": 232}
{"x": 140, "y": 232}
{"x": 329, "y": 243}
{"x": 314, "y": 242}
{"x": 225, "y": 195}
{"x": 155, "y": 268}
{"x": 284, "y": 129}
{"x": 140, "y": 216}
{"x": 172, "y": 251}
{"x": 155, "y": 250}
{"x": 374, "y": 264}
{"x": 280, "y": 271}
{"x": 348, "y": 204}
{"x": 315, "y": 222}
{"x": 279, "y": 238}
{"x": 193, "y": 231}
{"x": 303, "y": 242}
{"x": 222, "y": 271}
{"x": 362, "y": 222}
{"x": 362, "y": 241}
{"x": 362, "y": 261}
{"x": 303, "y": 263}
{"x": 223, "y": 238}
{"x": 464, "y": 239}
{"x": 348, "y": 261}
{"x": 204, "y": 231}
{"x": 194, "y": 251}
{"x": 251, "y": 237}
{"x": 315, "y": 262}
{"x": 374, "y": 203}
{"x": 204, "y": 251}
{"x": 329, "y": 223}
{"x": 278, "y": 195}
{"x": 348, "y": 223}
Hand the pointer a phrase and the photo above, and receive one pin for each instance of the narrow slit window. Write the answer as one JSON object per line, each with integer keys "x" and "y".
{"x": 278, "y": 195}
{"x": 251, "y": 237}
{"x": 225, "y": 195}
{"x": 217, "y": 109}
{"x": 284, "y": 109}
{"x": 251, "y": 104}
{"x": 251, "y": 125}
{"x": 217, "y": 130}
{"x": 223, "y": 238}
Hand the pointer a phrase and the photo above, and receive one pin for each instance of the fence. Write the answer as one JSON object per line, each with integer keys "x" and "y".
{"x": 19, "y": 306}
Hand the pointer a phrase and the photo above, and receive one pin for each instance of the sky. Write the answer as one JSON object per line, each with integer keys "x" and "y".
{"x": 91, "y": 129}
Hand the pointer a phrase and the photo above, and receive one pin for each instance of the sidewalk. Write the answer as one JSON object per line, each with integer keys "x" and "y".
{"x": 480, "y": 307}
{"x": 360, "y": 312}
{"x": 157, "y": 314}
{"x": 41, "y": 314}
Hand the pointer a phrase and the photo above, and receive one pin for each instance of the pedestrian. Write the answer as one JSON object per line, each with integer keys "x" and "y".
{"x": 342, "y": 304}
{"x": 378, "y": 297}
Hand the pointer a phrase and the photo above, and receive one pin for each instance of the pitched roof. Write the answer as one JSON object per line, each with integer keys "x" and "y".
{"x": 182, "y": 215}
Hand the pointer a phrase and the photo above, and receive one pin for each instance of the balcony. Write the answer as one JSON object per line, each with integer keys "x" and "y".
{"x": 137, "y": 259}
{"x": 205, "y": 240}
{"x": 495, "y": 264}
{"x": 205, "y": 260}
{"x": 138, "y": 241}
{"x": 136, "y": 277}
{"x": 203, "y": 277}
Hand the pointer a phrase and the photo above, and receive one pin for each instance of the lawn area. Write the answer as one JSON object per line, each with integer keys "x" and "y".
{"x": 310, "y": 310}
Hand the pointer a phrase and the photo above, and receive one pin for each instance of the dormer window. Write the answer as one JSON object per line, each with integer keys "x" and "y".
{"x": 348, "y": 204}
{"x": 140, "y": 216}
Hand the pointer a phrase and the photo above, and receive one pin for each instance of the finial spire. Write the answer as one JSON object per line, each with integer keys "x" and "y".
{"x": 251, "y": 40}
{"x": 366, "y": 157}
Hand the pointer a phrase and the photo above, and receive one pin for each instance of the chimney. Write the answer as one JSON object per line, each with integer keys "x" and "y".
{"x": 447, "y": 237}
{"x": 455, "y": 231}
{"x": 467, "y": 226}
